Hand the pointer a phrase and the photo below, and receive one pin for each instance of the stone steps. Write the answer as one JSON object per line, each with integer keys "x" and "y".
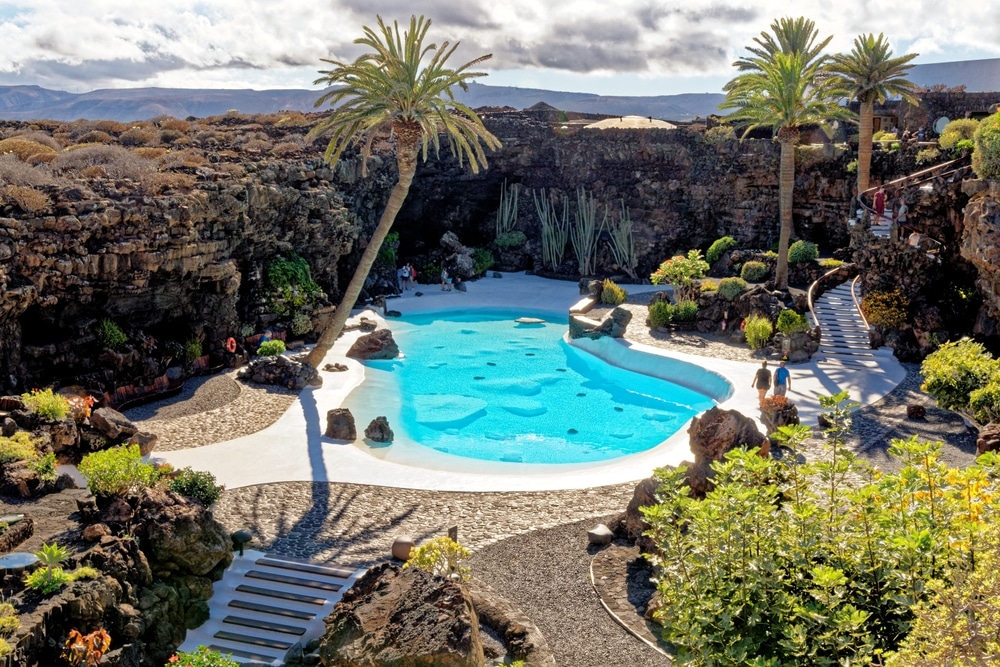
{"x": 844, "y": 340}
{"x": 267, "y": 607}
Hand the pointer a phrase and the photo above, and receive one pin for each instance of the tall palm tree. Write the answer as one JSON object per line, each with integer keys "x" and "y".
{"x": 871, "y": 74}
{"x": 393, "y": 90}
{"x": 784, "y": 91}
{"x": 788, "y": 35}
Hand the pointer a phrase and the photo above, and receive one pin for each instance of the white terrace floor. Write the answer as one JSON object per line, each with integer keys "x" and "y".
{"x": 294, "y": 449}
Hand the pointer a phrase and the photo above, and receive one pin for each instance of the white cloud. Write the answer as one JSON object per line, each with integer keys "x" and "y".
{"x": 263, "y": 43}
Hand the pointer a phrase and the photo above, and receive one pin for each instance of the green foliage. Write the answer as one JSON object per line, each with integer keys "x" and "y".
{"x": 387, "y": 251}
{"x": 895, "y": 146}
{"x": 830, "y": 263}
{"x": 84, "y": 572}
{"x": 709, "y": 285}
{"x": 802, "y": 251}
{"x": 885, "y": 309}
{"x": 202, "y": 657}
{"x": 9, "y": 622}
{"x": 965, "y": 146}
{"x": 718, "y": 248}
{"x": 821, "y": 563}
{"x": 192, "y": 350}
{"x": 196, "y": 484}
{"x": 957, "y": 130}
{"x": 852, "y": 167}
{"x": 301, "y": 324}
{"x": 117, "y": 471}
{"x": 985, "y": 402}
{"x": 482, "y": 260}
{"x": 443, "y": 557}
{"x": 430, "y": 274}
{"x": 46, "y": 404}
{"x": 758, "y": 331}
{"x": 730, "y": 288}
{"x": 514, "y": 239}
{"x": 45, "y": 466}
{"x": 110, "y": 334}
{"x": 754, "y": 271}
{"x": 49, "y": 578}
{"x": 955, "y": 370}
{"x": 986, "y": 156}
{"x": 612, "y": 294}
{"x": 681, "y": 269}
{"x": 719, "y": 134}
{"x": 271, "y": 348}
{"x": 686, "y": 311}
{"x": 661, "y": 314}
{"x": 290, "y": 285}
{"x": 790, "y": 322}
{"x": 928, "y": 156}
{"x": 18, "y": 447}
{"x": 507, "y": 211}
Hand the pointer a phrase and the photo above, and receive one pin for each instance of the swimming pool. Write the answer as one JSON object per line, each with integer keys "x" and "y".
{"x": 480, "y": 385}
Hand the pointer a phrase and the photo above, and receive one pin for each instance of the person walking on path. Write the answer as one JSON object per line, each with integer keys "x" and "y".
{"x": 762, "y": 381}
{"x": 782, "y": 380}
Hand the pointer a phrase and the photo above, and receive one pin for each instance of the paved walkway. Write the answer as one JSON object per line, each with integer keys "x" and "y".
{"x": 294, "y": 449}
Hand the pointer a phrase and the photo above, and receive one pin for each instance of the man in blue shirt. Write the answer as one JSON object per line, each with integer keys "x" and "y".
{"x": 782, "y": 380}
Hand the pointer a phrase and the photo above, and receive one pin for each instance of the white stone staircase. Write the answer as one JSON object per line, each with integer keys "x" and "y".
{"x": 844, "y": 333}
{"x": 267, "y": 607}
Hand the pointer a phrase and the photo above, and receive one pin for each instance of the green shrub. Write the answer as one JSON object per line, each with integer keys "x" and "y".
{"x": 754, "y": 272}
{"x": 192, "y": 350}
{"x": 482, "y": 260}
{"x": 965, "y": 145}
{"x": 720, "y": 134}
{"x": 790, "y": 322}
{"x": 271, "y": 348}
{"x": 802, "y": 251}
{"x": 661, "y": 314}
{"x": 301, "y": 324}
{"x": 758, "y": 331}
{"x": 45, "y": 466}
{"x": 730, "y": 288}
{"x": 429, "y": 274}
{"x": 84, "y": 572}
{"x": 709, "y": 285}
{"x": 612, "y": 294}
{"x": 852, "y": 167}
{"x": 290, "y": 285}
{"x": 387, "y": 251}
{"x": 47, "y": 580}
{"x": 46, "y": 404}
{"x": 686, "y": 311}
{"x": 110, "y": 334}
{"x": 955, "y": 370}
{"x": 830, "y": 263}
{"x": 443, "y": 557}
{"x": 718, "y": 248}
{"x": 202, "y": 657}
{"x": 9, "y": 622}
{"x": 928, "y": 156}
{"x": 885, "y": 309}
{"x": 513, "y": 239}
{"x": 18, "y": 447}
{"x": 197, "y": 485}
{"x": 957, "y": 130}
{"x": 985, "y": 402}
{"x": 986, "y": 156}
{"x": 681, "y": 269}
{"x": 117, "y": 471}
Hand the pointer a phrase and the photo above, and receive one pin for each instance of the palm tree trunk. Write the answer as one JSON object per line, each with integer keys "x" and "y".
{"x": 865, "y": 122}
{"x": 786, "y": 185}
{"x": 406, "y": 159}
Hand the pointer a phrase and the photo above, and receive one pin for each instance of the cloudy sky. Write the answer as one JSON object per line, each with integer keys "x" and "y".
{"x": 613, "y": 47}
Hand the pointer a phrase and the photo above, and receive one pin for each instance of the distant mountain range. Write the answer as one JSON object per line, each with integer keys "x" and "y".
{"x": 127, "y": 104}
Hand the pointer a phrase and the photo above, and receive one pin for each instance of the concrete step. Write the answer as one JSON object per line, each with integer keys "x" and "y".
{"x": 268, "y": 606}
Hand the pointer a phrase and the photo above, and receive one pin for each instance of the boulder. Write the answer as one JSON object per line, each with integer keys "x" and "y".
{"x": 396, "y": 616}
{"x": 112, "y": 424}
{"x": 179, "y": 536}
{"x": 916, "y": 411}
{"x": 600, "y": 535}
{"x": 281, "y": 370}
{"x": 378, "y": 430}
{"x": 340, "y": 425}
{"x": 713, "y": 434}
{"x": 635, "y": 523}
{"x": 146, "y": 441}
{"x": 989, "y": 439}
{"x": 614, "y": 325}
{"x": 377, "y": 345}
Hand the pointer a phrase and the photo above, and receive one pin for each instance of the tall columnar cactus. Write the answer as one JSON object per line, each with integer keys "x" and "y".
{"x": 555, "y": 228}
{"x": 585, "y": 231}
{"x": 621, "y": 242}
{"x": 507, "y": 213}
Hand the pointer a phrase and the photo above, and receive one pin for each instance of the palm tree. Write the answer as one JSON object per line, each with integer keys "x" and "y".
{"x": 392, "y": 90}
{"x": 787, "y": 35}
{"x": 784, "y": 91}
{"x": 871, "y": 74}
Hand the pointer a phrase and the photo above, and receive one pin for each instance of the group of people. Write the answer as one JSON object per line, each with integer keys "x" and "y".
{"x": 782, "y": 380}
{"x": 407, "y": 274}
{"x": 899, "y": 221}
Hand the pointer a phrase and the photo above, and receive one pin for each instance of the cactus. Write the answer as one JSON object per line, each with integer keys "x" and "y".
{"x": 585, "y": 231}
{"x": 621, "y": 243}
{"x": 507, "y": 213}
{"x": 555, "y": 228}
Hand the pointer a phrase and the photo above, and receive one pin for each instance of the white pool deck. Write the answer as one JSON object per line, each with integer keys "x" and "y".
{"x": 294, "y": 449}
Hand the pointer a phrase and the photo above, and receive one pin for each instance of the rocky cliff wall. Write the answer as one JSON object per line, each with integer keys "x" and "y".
{"x": 981, "y": 247}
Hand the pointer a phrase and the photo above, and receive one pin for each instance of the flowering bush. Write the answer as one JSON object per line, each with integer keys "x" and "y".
{"x": 442, "y": 556}
{"x": 886, "y": 310}
{"x": 86, "y": 650}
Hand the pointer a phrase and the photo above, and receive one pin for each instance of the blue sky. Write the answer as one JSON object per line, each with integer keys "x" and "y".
{"x": 611, "y": 47}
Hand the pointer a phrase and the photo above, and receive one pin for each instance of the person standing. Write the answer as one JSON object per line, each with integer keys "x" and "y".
{"x": 762, "y": 381}
{"x": 782, "y": 380}
{"x": 411, "y": 274}
{"x": 878, "y": 203}
{"x": 902, "y": 215}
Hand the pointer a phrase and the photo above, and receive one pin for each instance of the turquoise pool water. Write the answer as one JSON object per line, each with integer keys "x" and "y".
{"x": 482, "y": 386}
